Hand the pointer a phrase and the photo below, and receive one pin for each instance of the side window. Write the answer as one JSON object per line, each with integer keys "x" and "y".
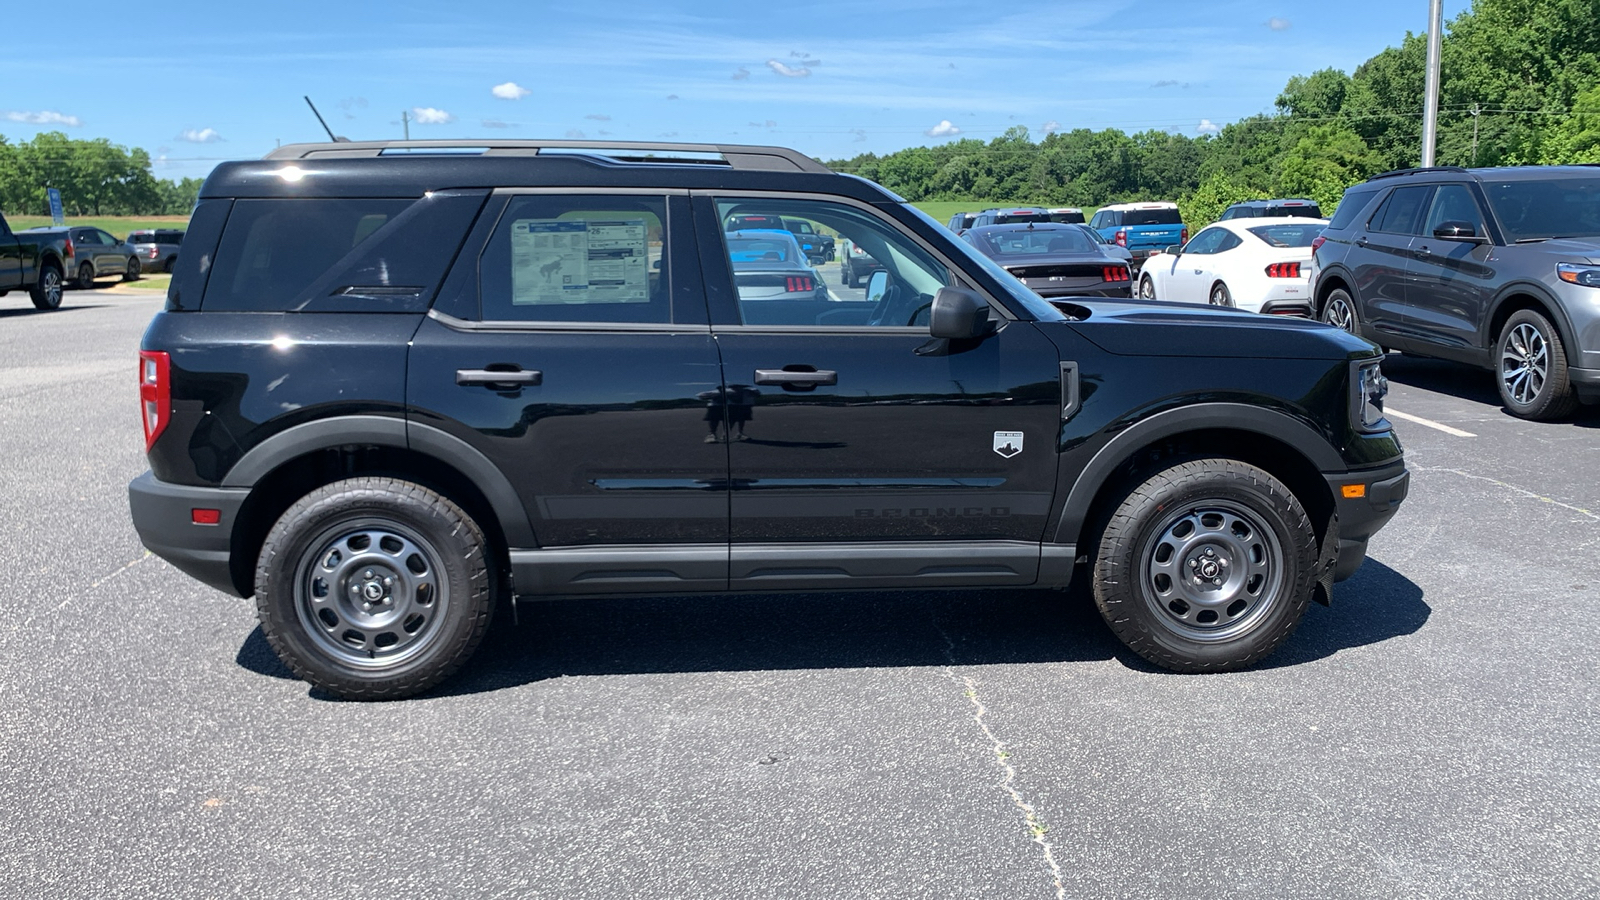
{"x": 1453, "y": 203}
{"x": 1206, "y": 242}
{"x": 1402, "y": 212}
{"x": 1350, "y": 207}
{"x": 559, "y": 258}
{"x": 107, "y": 239}
{"x": 776, "y": 286}
{"x": 1228, "y": 242}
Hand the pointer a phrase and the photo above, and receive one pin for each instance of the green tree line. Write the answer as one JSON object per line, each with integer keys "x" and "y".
{"x": 95, "y": 177}
{"x": 1520, "y": 84}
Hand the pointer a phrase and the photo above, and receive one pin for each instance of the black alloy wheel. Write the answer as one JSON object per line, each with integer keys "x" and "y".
{"x": 132, "y": 271}
{"x": 86, "y": 275}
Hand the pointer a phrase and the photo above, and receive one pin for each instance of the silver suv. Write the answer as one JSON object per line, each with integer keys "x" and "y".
{"x": 1497, "y": 268}
{"x": 158, "y": 249}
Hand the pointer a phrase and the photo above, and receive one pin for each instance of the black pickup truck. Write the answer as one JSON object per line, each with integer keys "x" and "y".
{"x": 33, "y": 262}
{"x": 391, "y": 391}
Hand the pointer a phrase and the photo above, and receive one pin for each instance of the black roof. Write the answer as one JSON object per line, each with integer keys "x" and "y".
{"x": 411, "y": 168}
{"x": 1498, "y": 173}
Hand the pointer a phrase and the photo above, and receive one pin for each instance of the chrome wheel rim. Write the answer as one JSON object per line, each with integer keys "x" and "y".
{"x": 1219, "y": 297}
{"x": 1212, "y": 571}
{"x": 1524, "y": 363}
{"x": 52, "y": 287}
{"x": 1147, "y": 288}
{"x": 1340, "y": 315}
{"x": 371, "y": 595}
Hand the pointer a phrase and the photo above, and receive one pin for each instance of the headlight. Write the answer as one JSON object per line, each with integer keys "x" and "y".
{"x": 1371, "y": 388}
{"x": 1588, "y": 276}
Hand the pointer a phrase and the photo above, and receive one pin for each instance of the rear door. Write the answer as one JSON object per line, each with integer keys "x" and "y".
{"x": 1381, "y": 259}
{"x": 862, "y": 452}
{"x": 570, "y": 346}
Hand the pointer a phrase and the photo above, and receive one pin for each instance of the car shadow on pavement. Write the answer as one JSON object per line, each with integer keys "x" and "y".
{"x": 29, "y": 310}
{"x": 559, "y": 638}
{"x": 1443, "y": 377}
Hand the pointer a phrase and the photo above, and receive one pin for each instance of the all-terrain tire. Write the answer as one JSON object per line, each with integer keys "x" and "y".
{"x": 1231, "y": 522}
{"x": 350, "y": 568}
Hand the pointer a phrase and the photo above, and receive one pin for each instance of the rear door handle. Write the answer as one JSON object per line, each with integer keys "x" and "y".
{"x": 491, "y": 376}
{"x": 809, "y": 377}
{"x": 1361, "y": 241}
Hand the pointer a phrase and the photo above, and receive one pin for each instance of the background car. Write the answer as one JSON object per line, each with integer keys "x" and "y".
{"x": 1258, "y": 265}
{"x": 157, "y": 250}
{"x": 768, "y": 264}
{"x": 1106, "y": 246}
{"x": 855, "y": 264}
{"x": 818, "y": 247}
{"x": 1273, "y": 209}
{"x": 96, "y": 254}
{"x": 1053, "y": 260}
{"x": 1067, "y": 215}
{"x": 1496, "y": 268}
{"x": 1143, "y": 228}
{"x": 1010, "y": 215}
{"x": 961, "y": 221}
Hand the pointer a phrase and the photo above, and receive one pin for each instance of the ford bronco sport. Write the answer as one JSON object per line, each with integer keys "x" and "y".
{"x": 395, "y": 385}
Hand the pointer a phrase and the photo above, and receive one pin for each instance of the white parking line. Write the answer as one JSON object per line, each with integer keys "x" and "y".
{"x": 1391, "y": 411}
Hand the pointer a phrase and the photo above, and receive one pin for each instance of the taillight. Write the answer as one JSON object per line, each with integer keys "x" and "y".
{"x": 69, "y": 249}
{"x": 1284, "y": 270}
{"x": 1121, "y": 238}
{"x": 155, "y": 394}
{"x": 1183, "y": 235}
{"x": 154, "y": 252}
{"x": 1114, "y": 273}
{"x": 1316, "y": 242}
{"x": 799, "y": 283}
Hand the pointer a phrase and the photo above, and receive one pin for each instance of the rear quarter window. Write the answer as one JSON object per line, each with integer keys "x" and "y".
{"x": 1350, "y": 208}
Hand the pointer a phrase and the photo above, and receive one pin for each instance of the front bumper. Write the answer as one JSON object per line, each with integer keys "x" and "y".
{"x": 163, "y": 514}
{"x": 1383, "y": 489}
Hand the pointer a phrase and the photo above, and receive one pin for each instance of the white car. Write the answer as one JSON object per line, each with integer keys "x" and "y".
{"x": 1258, "y": 265}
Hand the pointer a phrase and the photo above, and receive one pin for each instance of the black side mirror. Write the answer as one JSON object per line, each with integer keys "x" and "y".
{"x": 1174, "y": 249}
{"x": 1457, "y": 231}
{"x": 958, "y": 314}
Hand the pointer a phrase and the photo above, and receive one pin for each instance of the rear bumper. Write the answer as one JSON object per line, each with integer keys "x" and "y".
{"x": 163, "y": 514}
{"x": 1384, "y": 489}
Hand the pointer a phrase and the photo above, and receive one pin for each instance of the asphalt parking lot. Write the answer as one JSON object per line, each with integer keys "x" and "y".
{"x": 1430, "y": 735}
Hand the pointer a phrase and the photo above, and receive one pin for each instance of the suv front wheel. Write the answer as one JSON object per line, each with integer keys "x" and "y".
{"x": 374, "y": 588}
{"x": 1206, "y": 567}
{"x": 1532, "y": 368}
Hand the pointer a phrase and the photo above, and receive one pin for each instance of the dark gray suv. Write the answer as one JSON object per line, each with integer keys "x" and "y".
{"x": 1498, "y": 268}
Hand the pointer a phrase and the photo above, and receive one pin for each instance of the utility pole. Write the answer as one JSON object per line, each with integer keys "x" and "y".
{"x": 1475, "y": 111}
{"x": 405, "y": 120}
{"x": 1430, "y": 114}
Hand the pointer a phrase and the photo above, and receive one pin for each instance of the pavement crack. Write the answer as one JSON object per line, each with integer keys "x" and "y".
{"x": 1037, "y": 829}
{"x": 1513, "y": 488}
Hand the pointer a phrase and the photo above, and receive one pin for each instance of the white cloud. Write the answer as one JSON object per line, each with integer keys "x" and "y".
{"x": 598, "y": 117}
{"x": 1050, "y": 126}
{"x": 200, "y": 135}
{"x": 1207, "y": 126}
{"x": 943, "y": 129}
{"x": 787, "y": 71}
{"x": 427, "y": 115}
{"x": 510, "y": 91}
{"x": 741, "y": 74}
{"x": 495, "y": 123}
{"x": 45, "y": 117}
{"x": 1278, "y": 23}
{"x": 576, "y": 135}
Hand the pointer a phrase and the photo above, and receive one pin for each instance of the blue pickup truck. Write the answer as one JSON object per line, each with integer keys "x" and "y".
{"x": 1141, "y": 228}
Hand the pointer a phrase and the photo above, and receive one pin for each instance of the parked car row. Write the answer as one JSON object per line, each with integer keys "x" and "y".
{"x": 45, "y": 260}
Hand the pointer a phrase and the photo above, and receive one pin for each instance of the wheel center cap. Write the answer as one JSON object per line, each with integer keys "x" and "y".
{"x": 1209, "y": 568}
{"x": 372, "y": 591}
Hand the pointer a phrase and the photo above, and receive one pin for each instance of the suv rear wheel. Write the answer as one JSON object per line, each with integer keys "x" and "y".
{"x": 1207, "y": 566}
{"x": 1340, "y": 311}
{"x": 1532, "y": 368}
{"x": 374, "y": 588}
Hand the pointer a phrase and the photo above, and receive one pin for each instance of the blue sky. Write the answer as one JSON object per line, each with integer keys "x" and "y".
{"x": 218, "y": 80}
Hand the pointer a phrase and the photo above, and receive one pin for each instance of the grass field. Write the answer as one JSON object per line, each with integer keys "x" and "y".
{"x": 942, "y": 210}
{"x": 117, "y": 225}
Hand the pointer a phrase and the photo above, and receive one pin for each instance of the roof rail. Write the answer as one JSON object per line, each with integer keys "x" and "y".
{"x": 736, "y": 156}
{"x": 1418, "y": 171}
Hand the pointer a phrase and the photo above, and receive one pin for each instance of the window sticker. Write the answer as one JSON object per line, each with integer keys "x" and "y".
{"x": 576, "y": 261}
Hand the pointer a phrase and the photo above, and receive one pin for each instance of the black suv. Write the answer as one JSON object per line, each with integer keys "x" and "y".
{"x": 1498, "y": 268}
{"x": 392, "y": 388}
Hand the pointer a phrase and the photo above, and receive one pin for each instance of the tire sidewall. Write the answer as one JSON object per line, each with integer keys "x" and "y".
{"x": 366, "y": 502}
{"x": 1341, "y": 295}
{"x": 1119, "y": 582}
{"x": 1551, "y": 401}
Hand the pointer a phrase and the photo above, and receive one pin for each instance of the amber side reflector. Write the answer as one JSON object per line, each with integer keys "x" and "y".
{"x": 1354, "y": 491}
{"x": 214, "y": 516}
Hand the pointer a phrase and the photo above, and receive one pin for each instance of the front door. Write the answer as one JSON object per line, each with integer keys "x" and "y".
{"x": 570, "y": 347}
{"x": 847, "y": 425}
{"x": 1452, "y": 281}
{"x": 1190, "y": 278}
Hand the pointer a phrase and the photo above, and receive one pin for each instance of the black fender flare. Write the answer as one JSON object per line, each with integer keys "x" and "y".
{"x": 1202, "y": 416}
{"x": 387, "y": 431}
{"x": 1336, "y": 271}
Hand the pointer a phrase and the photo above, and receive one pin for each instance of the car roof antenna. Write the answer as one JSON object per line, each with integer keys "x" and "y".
{"x": 331, "y": 136}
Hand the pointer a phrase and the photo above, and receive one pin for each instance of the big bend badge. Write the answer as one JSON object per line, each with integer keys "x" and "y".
{"x": 1008, "y": 443}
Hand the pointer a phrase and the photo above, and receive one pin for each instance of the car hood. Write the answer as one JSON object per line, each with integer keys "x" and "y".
{"x": 1574, "y": 249}
{"x": 1136, "y": 328}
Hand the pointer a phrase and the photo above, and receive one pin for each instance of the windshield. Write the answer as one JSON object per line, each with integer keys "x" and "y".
{"x": 1568, "y": 207}
{"x": 1036, "y": 305}
{"x": 1151, "y": 217}
{"x": 1288, "y": 235}
{"x": 1012, "y": 244}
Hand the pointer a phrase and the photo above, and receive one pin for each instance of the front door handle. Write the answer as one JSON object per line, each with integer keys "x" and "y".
{"x": 1361, "y": 241}
{"x": 492, "y": 376}
{"x": 796, "y": 376}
